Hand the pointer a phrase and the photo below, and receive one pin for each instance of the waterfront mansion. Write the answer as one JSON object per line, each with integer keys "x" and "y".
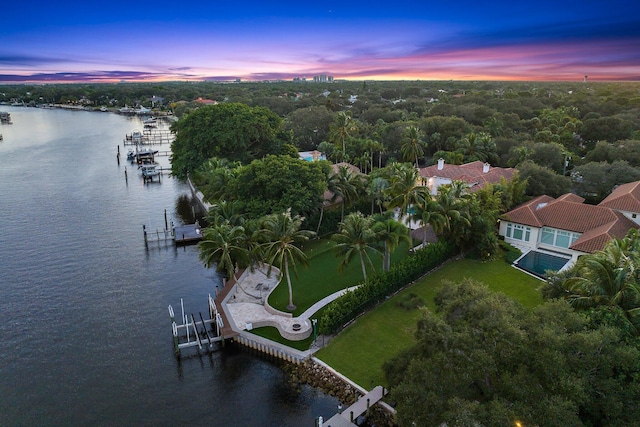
{"x": 565, "y": 227}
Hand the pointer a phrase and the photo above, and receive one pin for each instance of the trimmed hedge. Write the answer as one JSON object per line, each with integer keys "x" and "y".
{"x": 383, "y": 284}
{"x": 511, "y": 253}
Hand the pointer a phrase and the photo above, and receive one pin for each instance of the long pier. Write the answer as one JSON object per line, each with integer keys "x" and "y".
{"x": 179, "y": 234}
{"x": 149, "y": 136}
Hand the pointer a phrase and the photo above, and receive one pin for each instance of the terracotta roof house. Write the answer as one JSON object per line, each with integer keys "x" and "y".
{"x": 475, "y": 175}
{"x": 555, "y": 232}
{"x": 626, "y": 199}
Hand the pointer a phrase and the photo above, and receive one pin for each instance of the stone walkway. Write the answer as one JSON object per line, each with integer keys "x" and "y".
{"x": 249, "y": 308}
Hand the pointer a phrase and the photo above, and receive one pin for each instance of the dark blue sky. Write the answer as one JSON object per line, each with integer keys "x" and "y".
{"x": 117, "y": 40}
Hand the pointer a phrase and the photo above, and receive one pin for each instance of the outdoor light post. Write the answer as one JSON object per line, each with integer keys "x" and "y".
{"x": 314, "y": 321}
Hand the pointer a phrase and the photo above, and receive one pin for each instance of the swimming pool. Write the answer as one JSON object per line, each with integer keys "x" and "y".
{"x": 538, "y": 262}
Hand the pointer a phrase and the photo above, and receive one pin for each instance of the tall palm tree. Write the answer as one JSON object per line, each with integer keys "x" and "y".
{"x": 404, "y": 191}
{"x": 377, "y": 191}
{"x": 281, "y": 232}
{"x": 332, "y": 188}
{"x": 412, "y": 144}
{"x": 345, "y": 187}
{"x": 355, "y": 237}
{"x": 430, "y": 213}
{"x": 391, "y": 233}
{"x": 340, "y": 130}
{"x": 453, "y": 206}
{"x": 223, "y": 245}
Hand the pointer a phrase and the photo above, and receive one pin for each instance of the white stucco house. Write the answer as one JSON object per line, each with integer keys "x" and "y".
{"x": 566, "y": 228}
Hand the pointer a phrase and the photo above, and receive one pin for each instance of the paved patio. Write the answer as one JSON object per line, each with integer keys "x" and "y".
{"x": 249, "y": 308}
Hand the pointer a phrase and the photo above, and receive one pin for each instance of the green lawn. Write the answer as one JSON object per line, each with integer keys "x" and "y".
{"x": 322, "y": 278}
{"x": 317, "y": 281}
{"x": 361, "y": 349}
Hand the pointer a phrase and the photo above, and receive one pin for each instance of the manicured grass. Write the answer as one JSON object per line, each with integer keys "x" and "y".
{"x": 322, "y": 277}
{"x": 361, "y": 349}
{"x": 273, "y": 334}
{"x": 317, "y": 281}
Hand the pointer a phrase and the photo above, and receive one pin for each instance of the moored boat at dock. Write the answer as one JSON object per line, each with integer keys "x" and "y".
{"x": 5, "y": 118}
{"x": 150, "y": 171}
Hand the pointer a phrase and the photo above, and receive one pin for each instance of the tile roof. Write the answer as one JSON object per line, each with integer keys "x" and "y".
{"x": 625, "y": 197}
{"x": 597, "y": 224}
{"x": 354, "y": 169}
{"x": 595, "y": 239}
{"x": 471, "y": 173}
{"x": 526, "y": 213}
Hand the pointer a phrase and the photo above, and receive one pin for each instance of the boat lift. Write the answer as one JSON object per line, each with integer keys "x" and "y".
{"x": 193, "y": 333}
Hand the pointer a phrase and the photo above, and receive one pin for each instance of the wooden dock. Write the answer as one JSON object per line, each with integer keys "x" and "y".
{"x": 149, "y": 136}
{"x": 179, "y": 234}
{"x": 183, "y": 234}
{"x": 349, "y": 416}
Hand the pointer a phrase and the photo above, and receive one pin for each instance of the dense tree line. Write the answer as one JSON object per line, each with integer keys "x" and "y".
{"x": 484, "y": 360}
{"x": 559, "y": 126}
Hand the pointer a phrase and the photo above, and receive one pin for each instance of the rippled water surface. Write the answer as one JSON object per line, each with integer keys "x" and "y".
{"x": 84, "y": 325}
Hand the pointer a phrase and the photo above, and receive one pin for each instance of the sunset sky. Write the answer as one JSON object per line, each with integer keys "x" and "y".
{"x": 110, "y": 41}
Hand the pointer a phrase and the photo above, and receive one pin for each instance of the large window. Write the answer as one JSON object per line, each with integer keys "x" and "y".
{"x": 559, "y": 238}
{"x": 518, "y": 232}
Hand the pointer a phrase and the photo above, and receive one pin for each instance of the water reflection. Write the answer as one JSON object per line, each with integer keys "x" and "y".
{"x": 87, "y": 336}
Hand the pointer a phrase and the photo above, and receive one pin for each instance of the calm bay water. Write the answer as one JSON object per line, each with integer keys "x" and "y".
{"x": 84, "y": 324}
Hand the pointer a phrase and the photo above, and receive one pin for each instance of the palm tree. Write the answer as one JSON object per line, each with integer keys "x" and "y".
{"x": 223, "y": 245}
{"x": 478, "y": 146}
{"x": 332, "y": 188}
{"x": 453, "y": 207}
{"x": 216, "y": 175}
{"x": 340, "y": 129}
{"x": 390, "y": 232}
{"x": 355, "y": 237}
{"x": 224, "y": 212}
{"x": 381, "y": 149}
{"x": 281, "y": 232}
{"x": 328, "y": 149}
{"x": 404, "y": 191}
{"x": 345, "y": 186}
{"x": 609, "y": 277}
{"x": 412, "y": 144}
{"x": 430, "y": 213}
{"x": 377, "y": 190}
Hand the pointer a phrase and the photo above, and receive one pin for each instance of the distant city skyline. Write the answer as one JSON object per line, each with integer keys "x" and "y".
{"x": 117, "y": 41}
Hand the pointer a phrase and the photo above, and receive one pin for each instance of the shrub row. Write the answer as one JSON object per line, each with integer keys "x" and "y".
{"x": 511, "y": 253}
{"x": 383, "y": 284}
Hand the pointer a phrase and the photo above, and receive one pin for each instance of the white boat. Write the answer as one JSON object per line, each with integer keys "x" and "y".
{"x": 142, "y": 111}
{"x": 135, "y": 137}
{"x": 126, "y": 110}
{"x": 150, "y": 122}
{"x": 149, "y": 171}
